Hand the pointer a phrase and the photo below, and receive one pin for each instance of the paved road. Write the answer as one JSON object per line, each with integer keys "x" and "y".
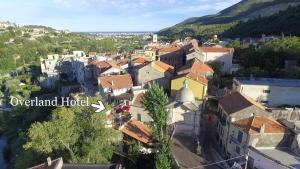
{"x": 183, "y": 149}
{"x": 208, "y": 143}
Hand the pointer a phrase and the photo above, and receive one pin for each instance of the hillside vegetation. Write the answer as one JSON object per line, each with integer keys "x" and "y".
{"x": 286, "y": 22}
{"x": 228, "y": 18}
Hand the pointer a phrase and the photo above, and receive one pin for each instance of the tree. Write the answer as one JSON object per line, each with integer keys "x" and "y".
{"x": 163, "y": 157}
{"x": 155, "y": 101}
{"x": 78, "y": 134}
{"x": 216, "y": 66}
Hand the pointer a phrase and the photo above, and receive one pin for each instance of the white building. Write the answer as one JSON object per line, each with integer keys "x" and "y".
{"x": 154, "y": 38}
{"x": 115, "y": 85}
{"x": 210, "y": 54}
{"x": 72, "y": 64}
{"x": 269, "y": 91}
{"x": 105, "y": 68}
{"x": 185, "y": 112}
{"x": 4, "y": 25}
{"x": 275, "y": 158}
{"x": 222, "y": 55}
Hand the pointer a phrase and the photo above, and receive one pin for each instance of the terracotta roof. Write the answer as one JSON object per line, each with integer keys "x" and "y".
{"x": 137, "y": 100}
{"x": 236, "y": 101}
{"x": 169, "y": 49}
{"x": 253, "y": 124}
{"x": 195, "y": 66}
{"x": 193, "y": 76}
{"x": 163, "y": 67}
{"x": 139, "y": 131}
{"x": 216, "y": 49}
{"x": 153, "y": 47}
{"x": 140, "y": 60}
{"x": 122, "y": 62}
{"x": 104, "y": 65}
{"x": 116, "y": 81}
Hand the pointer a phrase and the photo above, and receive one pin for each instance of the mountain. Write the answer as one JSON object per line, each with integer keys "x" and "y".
{"x": 285, "y": 22}
{"x": 227, "y": 18}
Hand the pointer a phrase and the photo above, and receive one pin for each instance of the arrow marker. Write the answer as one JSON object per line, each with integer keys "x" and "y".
{"x": 100, "y": 107}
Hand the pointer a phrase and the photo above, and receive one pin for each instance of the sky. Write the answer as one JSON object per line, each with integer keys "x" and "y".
{"x": 107, "y": 15}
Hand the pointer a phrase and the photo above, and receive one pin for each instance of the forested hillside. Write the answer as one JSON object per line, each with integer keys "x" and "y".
{"x": 286, "y": 22}
{"x": 228, "y": 18}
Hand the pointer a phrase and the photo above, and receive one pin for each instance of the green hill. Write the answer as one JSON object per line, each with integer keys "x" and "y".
{"x": 228, "y": 18}
{"x": 286, "y": 22}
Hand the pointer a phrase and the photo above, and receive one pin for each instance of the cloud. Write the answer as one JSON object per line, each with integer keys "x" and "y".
{"x": 115, "y": 14}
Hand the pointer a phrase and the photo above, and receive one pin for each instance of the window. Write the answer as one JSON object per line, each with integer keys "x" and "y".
{"x": 266, "y": 91}
{"x": 139, "y": 117}
{"x": 240, "y": 136}
{"x": 237, "y": 149}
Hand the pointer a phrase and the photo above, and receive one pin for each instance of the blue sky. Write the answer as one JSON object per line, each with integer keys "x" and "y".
{"x": 107, "y": 15}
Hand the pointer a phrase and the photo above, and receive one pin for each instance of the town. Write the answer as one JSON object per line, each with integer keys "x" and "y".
{"x": 188, "y": 103}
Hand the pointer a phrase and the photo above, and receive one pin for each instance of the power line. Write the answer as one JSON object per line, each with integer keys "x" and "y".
{"x": 216, "y": 162}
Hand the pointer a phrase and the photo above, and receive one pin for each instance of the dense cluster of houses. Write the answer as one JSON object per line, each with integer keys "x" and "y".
{"x": 249, "y": 122}
{"x": 6, "y": 24}
{"x": 180, "y": 68}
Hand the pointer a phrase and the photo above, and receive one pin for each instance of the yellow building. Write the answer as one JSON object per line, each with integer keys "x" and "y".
{"x": 197, "y": 84}
{"x": 151, "y": 54}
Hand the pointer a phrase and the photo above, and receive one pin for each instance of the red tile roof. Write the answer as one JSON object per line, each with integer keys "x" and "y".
{"x": 122, "y": 62}
{"x": 140, "y": 60}
{"x": 169, "y": 49}
{"x": 236, "y": 101}
{"x": 253, "y": 124}
{"x": 195, "y": 66}
{"x": 116, "y": 81}
{"x": 163, "y": 67}
{"x": 139, "y": 131}
{"x": 193, "y": 76}
{"x": 215, "y": 49}
{"x": 104, "y": 65}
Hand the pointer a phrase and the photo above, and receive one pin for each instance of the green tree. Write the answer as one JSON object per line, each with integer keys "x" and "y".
{"x": 163, "y": 157}
{"x": 78, "y": 134}
{"x": 216, "y": 66}
{"x": 155, "y": 101}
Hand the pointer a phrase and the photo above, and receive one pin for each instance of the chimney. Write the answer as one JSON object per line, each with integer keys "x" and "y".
{"x": 262, "y": 128}
{"x": 112, "y": 82}
{"x": 49, "y": 161}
